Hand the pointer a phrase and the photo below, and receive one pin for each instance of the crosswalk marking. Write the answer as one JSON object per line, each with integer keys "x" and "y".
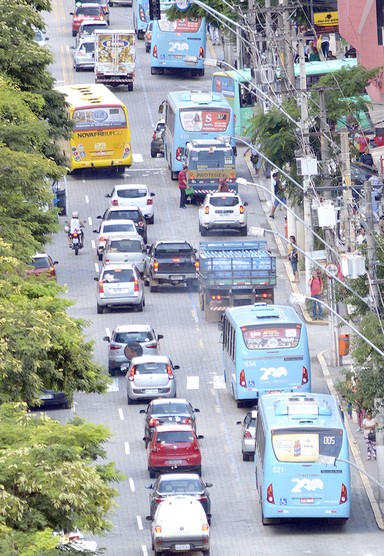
{"x": 137, "y": 157}
{"x": 192, "y": 382}
{"x": 114, "y": 386}
{"x": 218, "y": 383}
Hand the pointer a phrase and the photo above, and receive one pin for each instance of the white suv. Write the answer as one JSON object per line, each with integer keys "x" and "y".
{"x": 221, "y": 211}
{"x": 134, "y": 194}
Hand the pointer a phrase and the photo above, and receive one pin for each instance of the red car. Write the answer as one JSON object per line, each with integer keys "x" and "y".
{"x": 88, "y": 11}
{"x": 43, "y": 264}
{"x": 174, "y": 448}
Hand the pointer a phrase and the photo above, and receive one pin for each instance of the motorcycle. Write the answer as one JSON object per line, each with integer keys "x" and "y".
{"x": 75, "y": 239}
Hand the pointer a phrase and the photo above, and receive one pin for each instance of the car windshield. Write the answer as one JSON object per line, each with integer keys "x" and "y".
{"x": 180, "y": 486}
{"x": 110, "y": 228}
{"x": 40, "y": 262}
{"x": 174, "y": 437}
{"x": 125, "y": 337}
{"x": 89, "y": 47}
{"x": 150, "y": 368}
{"x": 118, "y": 275}
{"x": 170, "y": 409}
{"x": 224, "y": 201}
{"x": 123, "y": 215}
{"x": 89, "y": 29}
{"x": 87, "y": 11}
{"x": 125, "y": 246}
{"x": 131, "y": 193}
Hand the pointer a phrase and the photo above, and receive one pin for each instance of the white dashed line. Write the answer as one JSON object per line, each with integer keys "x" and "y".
{"x": 139, "y": 523}
{"x": 219, "y": 383}
{"x": 114, "y": 385}
{"x": 137, "y": 157}
{"x": 144, "y": 549}
{"x": 87, "y": 199}
{"x": 131, "y": 485}
{"x": 126, "y": 448}
{"x": 97, "y": 268}
{"x": 192, "y": 382}
{"x": 93, "y": 243}
{"x": 89, "y": 220}
{"x": 121, "y": 414}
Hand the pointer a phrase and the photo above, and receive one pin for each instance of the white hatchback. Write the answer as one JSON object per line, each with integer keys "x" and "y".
{"x": 134, "y": 194}
{"x": 125, "y": 248}
{"x": 109, "y": 228}
{"x": 222, "y": 211}
{"x": 84, "y": 54}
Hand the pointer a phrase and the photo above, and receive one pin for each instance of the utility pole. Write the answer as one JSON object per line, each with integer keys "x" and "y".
{"x": 371, "y": 245}
{"x": 346, "y": 215}
{"x": 288, "y": 56}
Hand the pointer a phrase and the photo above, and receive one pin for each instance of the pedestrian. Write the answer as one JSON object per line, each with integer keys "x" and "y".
{"x": 223, "y": 186}
{"x": 314, "y": 55}
{"x": 361, "y": 237}
{"x": 316, "y": 287}
{"x": 366, "y": 158}
{"x": 363, "y": 142}
{"x": 349, "y": 409}
{"x": 369, "y": 428}
{"x": 255, "y": 160}
{"x": 182, "y": 182}
{"x": 331, "y": 56}
{"x": 293, "y": 256}
{"x": 279, "y": 198}
{"x": 325, "y": 45}
{"x": 376, "y": 186}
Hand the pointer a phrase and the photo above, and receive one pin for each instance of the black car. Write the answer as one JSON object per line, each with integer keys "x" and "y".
{"x": 173, "y": 484}
{"x": 128, "y": 213}
{"x": 53, "y": 399}
{"x": 162, "y": 411}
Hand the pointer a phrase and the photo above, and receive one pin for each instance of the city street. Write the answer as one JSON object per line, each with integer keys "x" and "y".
{"x": 188, "y": 340}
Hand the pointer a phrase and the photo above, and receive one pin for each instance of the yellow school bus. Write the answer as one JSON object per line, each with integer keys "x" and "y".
{"x": 101, "y": 135}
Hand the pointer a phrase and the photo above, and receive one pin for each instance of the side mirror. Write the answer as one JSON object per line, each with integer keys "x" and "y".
{"x": 106, "y": 338}
{"x": 245, "y": 204}
{"x": 176, "y": 367}
{"x": 95, "y": 231}
{"x": 153, "y": 194}
{"x": 149, "y": 486}
{"x": 142, "y": 411}
{"x": 108, "y": 195}
{"x": 239, "y": 422}
{"x": 148, "y": 518}
{"x": 208, "y": 485}
{"x": 70, "y": 13}
{"x": 99, "y": 217}
{"x": 146, "y": 438}
{"x": 200, "y": 436}
{"x": 161, "y": 108}
{"x": 55, "y": 262}
{"x": 96, "y": 279}
{"x": 160, "y": 336}
{"x": 196, "y": 410}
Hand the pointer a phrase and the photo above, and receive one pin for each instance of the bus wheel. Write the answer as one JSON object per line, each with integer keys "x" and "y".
{"x": 120, "y": 169}
{"x": 153, "y": 71}
{"x": 239, "y": 404}
{"x": 130, "y": 86}
{"x": 174, "y": 175}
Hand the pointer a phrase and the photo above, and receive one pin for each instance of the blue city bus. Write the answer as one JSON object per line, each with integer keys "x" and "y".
{"x": 301, "y": 458}
{"x": 178, "y": 45}
{"x": 315, "y": 70}
{"x": 240, "y": 92}
{"x": 193, "y": 115}
{"x": 140, "y": 15}
{"x": 264, "y": 350}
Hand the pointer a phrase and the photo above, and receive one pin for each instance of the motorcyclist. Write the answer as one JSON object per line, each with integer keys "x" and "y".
{"x": 75, "y": 225}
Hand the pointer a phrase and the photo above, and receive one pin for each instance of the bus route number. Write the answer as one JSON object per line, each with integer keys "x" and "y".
{"x": 278, "y": 469}
{"x": 329, "y": 440}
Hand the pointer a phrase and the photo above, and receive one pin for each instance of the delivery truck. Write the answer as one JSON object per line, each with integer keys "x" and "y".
{"x": 234, "y": 273}
{"x": 115, "y": 57}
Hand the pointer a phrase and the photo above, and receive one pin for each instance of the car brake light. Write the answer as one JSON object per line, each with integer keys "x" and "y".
{"x": 242, "y": 379}
{"x": 75, "y": 234}
{"x": 202, "y": 498}
{"x": 131, "y": 374}
{"x": 149, "y": 202}
{"x": 197, "y": 265}
{"x": 158, "y": 529}
{"x": 115, "y": 203}
{"x": 178, "y": 153}
{"x": 205, "y": 527}
{"x": 304, "y": 376}
{"x": 270, "y": 497}
{"x": 241, "y": 209}
{"x": 101, "y": 287}
{"x": 186, "y": 421}
{"x": 201, "y": 52}
{"x": 155, "y": 266}
{"x": 102, "y": 239}
{"x": 151, "y": 346}
{"x": 140, "y": 224}
{"x": 154, "y": 135}
{"x": 247, "y": 434}
{"x": 343, "y": 494}
{"x": 154, "y": 51}
{"x": 206, "y": 210}
{"x": 216, "y": 297}
{"x": 114, "y": 346}
{"x": 136, "y": 286}
{"x": 170, "y": 372}
{"x": 157, "y": 500}
{"x": 153, "y": 422}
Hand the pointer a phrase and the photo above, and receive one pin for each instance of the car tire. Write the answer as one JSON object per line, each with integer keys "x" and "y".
{"x": 205, "y": 552}
{"x": 209, "y": 519}
{"x": 147, "y": 48}
{"x": 153, "y": 154}
{"x": 130, "y": 86}
{"x": 153, "y": 288}
{"x": 245, "y": 457}
{"x": 140, "y": 307}
{"x": 152, "y": 473}
{"x": 151, "y": 220}
{"x": 74, "y": 33}
{"x": 130, "y": 401}
{"x": 244, "y": 231}
{"x": 111, "y": 371}
{"x": 158, "y": 553}
{"x": 100, "y": 309}
{"x": 203, "y": 231}
{"x": 100, "y": 257}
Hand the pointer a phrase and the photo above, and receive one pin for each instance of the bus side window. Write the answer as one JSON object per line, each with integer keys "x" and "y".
{"x": 246, "y": 95}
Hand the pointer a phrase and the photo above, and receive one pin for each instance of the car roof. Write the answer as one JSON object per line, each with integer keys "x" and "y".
{"x": 174, "y": 428}
{"x": 88, "y": 5}
{"x": 40, "y": 255}
{"x": 117, "y": 221}
{"x": 223, "y": 194}
{"x": 150, "y": 359}
{"x": 130, "y": 186}
{"x": 133, "y": 328}
{"x": 116, "y": 236}
{"x": 89, "y": 22}
{"x": 117, "y": 266}
{"x": 120, "y": 209}
{"x": 171, "y": 241}
{"x": 180, "y": 500}
{"x": 182, "y": 476}
{"x": 87, "y": 39}
{"x": 162, "y": 401}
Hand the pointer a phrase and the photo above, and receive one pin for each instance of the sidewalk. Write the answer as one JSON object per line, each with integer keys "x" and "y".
{"x": 330, "y": 373}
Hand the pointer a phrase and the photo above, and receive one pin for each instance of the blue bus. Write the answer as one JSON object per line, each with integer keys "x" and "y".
{"x": 301, "y": 458}
{"x": 315, "y": 70}
{"x": 265, "y": 350}
{"x": 178, "y": 45}
{"x": 140, "y": 15}
{"x": 193, "y": 115}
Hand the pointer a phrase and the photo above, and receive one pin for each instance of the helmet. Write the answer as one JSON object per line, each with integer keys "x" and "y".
{"x": 75, "y": 214}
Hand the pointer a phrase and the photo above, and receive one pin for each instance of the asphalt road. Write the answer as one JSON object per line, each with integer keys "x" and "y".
{"x": 188, "y": 340}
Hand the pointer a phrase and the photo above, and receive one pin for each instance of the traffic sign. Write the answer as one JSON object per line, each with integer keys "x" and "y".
{"x": 183, "y": 4}
{"x": 331, "y": 269}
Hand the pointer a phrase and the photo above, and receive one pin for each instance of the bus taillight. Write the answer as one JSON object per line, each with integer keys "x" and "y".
{"x": 201, "y": 52}
{"x": 343, "y": 494}
{"x": 242, "y": 379}
{"x": 178, "y": 153}
{"x": 304, "y": 376}
{"x": 154, "y": 51}
{"x": 270, "y": 497}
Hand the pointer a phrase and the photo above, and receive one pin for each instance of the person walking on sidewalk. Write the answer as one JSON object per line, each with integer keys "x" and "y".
{"x": 293, "y": 256}
{"x": 182, "y": 181}
{"x": 369, "y": 428}
{"x": 278, "y": 189}
{"x": 316, "y": 286}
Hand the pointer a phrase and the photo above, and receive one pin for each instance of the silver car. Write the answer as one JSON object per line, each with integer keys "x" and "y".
{"x": 84, "y": 54}
{"x": 151, "y": 377}
{"x": 249, "y": 435}
{"x": 119, "y": 285}
{"x": 123, "y": 248}
{"x": 110, "y": 227}
{"x": 126, "y": 337}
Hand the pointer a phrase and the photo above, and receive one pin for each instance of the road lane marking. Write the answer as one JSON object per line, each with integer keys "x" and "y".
{"x": 131, "y": 485}
{"x": 137, "y": 157}
{"x": 97, "y": 268}
{"x": 144, "y": 549}
{"x": 93, "y": 243}
{"x": 218, "y": 383}
{"x": 139, "y": 523}
{"x": 192, "y": 382}
{"x": 89, "y": 220}
{"x": 126, "y": 448}
{"x": 114, "y": 386}
{"x": 121, "y": 414}
{"x": 87, "y": 199}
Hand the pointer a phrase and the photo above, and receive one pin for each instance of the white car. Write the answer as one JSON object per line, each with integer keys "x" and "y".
{"x": 84, "y": 54}
{"x": 40, "y": 37}
{"x": 134, "y": 194}
{"x": 222, "y": 211}
{"x": 87, "y": 29}
{"x": 109, "y": 228}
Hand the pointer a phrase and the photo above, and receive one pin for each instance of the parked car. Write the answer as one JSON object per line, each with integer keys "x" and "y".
{"x": 84, "y": 54}
{"x": 134, "y": 194}
{"x": 222, "y": 211}
{"x": 248, "y": 435}
{"x": 110, "y": 228}
{"x": 174, "y": 448}
{"x": 173, "y": 484}
{"x": 123, "y": 248}
{"x": 119, "y": 285}
{"x": 166, "y": 411}
{"x": 142, "y": 334}
{"x": 53, "y": 399}
{"x": 81, "y": 13}
{"x": 128, "y": 213}
{"x": 180, "y": 525}
{"x": 151, "y": 376}
{"x": 157, "y": 143}
{"x": 40, "y": 37}
{"x": 148, "y": 36}
{"x": 43, "y": 264}
{"x": 88, "y": 27}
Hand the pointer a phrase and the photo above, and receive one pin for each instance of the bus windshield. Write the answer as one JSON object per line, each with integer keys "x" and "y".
{"x": 270, "y": 337}
{"x": 305, "y": 446}
{"x": 99, "y": 117}
{"x": 180, "y": 25}
{"x": 205, "y": 120}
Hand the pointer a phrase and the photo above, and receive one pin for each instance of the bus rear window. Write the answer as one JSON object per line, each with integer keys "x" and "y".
{"x": 180, "y": 25}
{"x": 99, "y": 117}
{"x": 272, "y": 337}
{"x": 205, "y": 120}
{"x": 306, "y": 446}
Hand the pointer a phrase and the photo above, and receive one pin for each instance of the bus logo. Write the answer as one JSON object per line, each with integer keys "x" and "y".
{"x": 100, "y": 115}
{"x": 307, "y": 484}
{"x": 275, "y": 372}
{"x": 178, "y": 46}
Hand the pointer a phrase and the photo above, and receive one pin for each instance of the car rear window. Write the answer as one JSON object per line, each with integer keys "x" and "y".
{"x": 173, "y": 248}
{"x": 150, "y": 368}
{"x": 180, "y": 486}
{"x": 89, "y": 47}
{"x": 40, "y": 262}
{"x": 174, "y": 437}
{"x": 123, "y": 215}
{"x": 117, "y": 275}
{"x": 125, "y": 337}
{"x": 224, "y": 201}
{"x": 169, "y": 409}
{"x": 131, "y": 193}
{"x": 125, "y": 246}
{"x": 87, "y": 11}
{"x": 110, "y": 228}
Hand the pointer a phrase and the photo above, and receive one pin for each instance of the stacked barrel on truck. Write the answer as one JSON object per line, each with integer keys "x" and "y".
{"x": 234, "y": 273}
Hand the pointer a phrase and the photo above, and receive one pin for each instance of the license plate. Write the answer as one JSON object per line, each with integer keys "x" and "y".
{"x": 47, "y": 397}
{"x": 118, "y": 290}
{"x": 177, "y": 277}
{"x": 182, "y": 547}
{"x": 175, "y": 462}
{"x": 274, "y": 391}
{"x": 152, "y": 391}
{"x": 223, "y": 211}
{"x": 307, "y": 500}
